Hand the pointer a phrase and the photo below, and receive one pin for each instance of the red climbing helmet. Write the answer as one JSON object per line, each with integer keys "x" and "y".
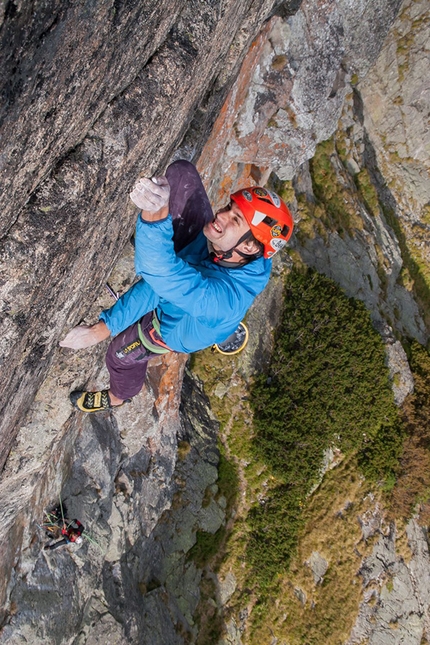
{"x": 269, "y": 218}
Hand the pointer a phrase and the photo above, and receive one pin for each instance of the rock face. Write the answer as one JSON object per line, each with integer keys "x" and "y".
{"x": 365, "y": 260}
{"x": 384, "y": 132}
{"x": 55, "y": 57}
{"x": 131, "y": 581}
{"x": 397, "y": 593}
{"x": 95, "y": 94}
{"x": 291, "y": 88}
{"x": 396, "y": 100}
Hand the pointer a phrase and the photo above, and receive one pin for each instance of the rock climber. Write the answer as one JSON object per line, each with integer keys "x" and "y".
{"x": 199, "y": 273}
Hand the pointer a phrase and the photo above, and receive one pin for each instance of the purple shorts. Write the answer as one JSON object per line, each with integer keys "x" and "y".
{"x": 127, "y": 359}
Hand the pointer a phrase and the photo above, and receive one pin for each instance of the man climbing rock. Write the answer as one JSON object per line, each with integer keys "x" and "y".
{"x": 199, "y": 275}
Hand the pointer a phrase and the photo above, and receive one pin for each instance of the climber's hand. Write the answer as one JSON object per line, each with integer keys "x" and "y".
{"x": 152, "y": 196}
{"x": 85, "y": 336}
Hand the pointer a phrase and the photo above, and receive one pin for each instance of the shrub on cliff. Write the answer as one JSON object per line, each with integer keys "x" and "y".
{"x": 327, "y": 385}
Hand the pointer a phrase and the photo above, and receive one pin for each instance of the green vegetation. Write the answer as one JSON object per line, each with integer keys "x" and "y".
{"x": 284, "y": 188}
{"x": 367, "y": 191}
{"x": 412, "y": 486}
{"x": 274, "y": 527}
{"x": 206, "y": 547}
{"x": 327, "y": 382}
{"x": 416, "y": 272}
{"x": 425, "y": 215}
{"x": 327, "y": 386}
{"x": 404, "y": 44}
{"x": 228, "y": 480}
{"x": 298, "y": 611}
{"x": 334, "y": 195}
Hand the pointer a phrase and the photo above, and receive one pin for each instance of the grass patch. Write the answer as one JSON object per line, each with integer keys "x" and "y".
{"x": 274, "y": 525}
{"x": 332, "y": 189}
{"x": 412, "y": 242}
{"x": 228, "y": 480}
{"x": 284, "y": 188}
{"x": 206, "y": 547}
{"x": 326, "y": 386}
{"x": 326, "y": 383}
{"x": 306, "y": 611}
{"x": 367, "y": 191}
{"x": 215, "y": 369}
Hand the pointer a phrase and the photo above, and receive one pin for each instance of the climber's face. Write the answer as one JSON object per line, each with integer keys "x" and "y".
{"x": 228, "y": 226}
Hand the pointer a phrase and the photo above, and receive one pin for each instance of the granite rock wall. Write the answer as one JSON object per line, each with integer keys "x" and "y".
{"x": 95, "y": 95}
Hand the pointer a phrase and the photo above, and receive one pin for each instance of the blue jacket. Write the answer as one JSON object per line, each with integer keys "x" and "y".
{"x": 198, "y": 303}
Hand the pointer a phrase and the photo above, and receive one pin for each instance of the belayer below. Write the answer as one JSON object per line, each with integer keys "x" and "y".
{"x": 199, "y": 275}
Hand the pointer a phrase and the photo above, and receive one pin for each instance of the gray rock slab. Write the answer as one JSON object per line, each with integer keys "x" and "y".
{"x": 226, "y": 587}
{"x": 318, "y": 566}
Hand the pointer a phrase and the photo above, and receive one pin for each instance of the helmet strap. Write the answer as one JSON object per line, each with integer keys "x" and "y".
{"x": 222, "y": 257}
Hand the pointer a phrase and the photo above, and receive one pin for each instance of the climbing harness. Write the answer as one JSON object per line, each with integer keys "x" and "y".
{"x": 153, "y": 341}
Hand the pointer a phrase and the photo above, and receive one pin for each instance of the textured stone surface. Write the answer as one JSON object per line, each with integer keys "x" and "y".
{"x": 290, "y": 91}
{"x": 55, "y": 57}
{"x": 395, "y": 609}
{"x": 396, "y": 99}
{"x": 366, "y": 260}
{"x": 396, "y": 109}
{"x": 400, "y": 372}
{"x": 68, "y": 222}
{"x": 131, "y": 580}
{"x": 74, "y": 140}
{"x": 318, "y": 566}
{"x": 226, "y": 587}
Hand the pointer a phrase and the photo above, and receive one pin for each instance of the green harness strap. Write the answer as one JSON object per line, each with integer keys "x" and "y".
{"x": 152, "y": 347}
{"x": 156, "y": 324}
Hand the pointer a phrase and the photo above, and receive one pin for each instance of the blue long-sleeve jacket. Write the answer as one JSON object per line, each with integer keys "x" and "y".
{"x": 198, "y": 303}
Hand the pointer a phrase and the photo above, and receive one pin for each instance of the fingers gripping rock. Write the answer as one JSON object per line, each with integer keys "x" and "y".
{"x": 151, "y": 194}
